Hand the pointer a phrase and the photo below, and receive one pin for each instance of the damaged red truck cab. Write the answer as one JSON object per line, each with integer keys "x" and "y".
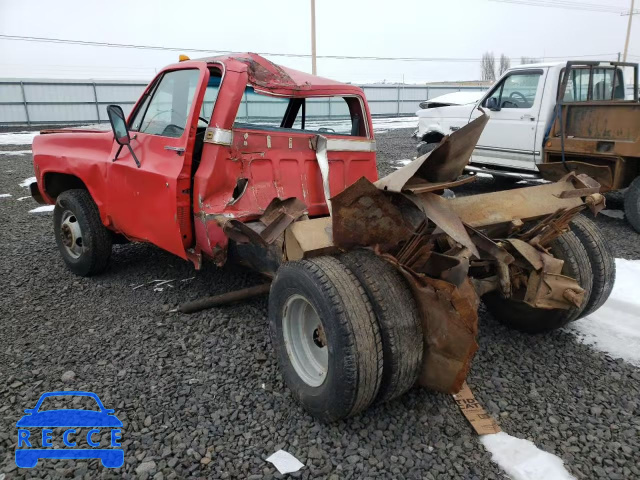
{"x": 215, "y": 139}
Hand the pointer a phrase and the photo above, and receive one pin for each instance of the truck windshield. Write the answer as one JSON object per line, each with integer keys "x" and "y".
{"x": 332, "y": 115}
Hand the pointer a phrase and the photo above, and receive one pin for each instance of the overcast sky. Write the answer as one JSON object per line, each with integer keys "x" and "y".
{"x": 396, "y": 28}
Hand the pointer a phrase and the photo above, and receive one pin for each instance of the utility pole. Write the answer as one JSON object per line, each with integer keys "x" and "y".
{"x": 314, "y": 70}
{"x": 626, "y": 42}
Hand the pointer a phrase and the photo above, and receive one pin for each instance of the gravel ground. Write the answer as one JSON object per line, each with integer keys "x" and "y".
{"x": 200, "y": 395}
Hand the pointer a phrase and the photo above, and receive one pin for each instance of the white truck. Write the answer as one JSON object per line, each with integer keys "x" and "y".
{"x": 544, "y": 123}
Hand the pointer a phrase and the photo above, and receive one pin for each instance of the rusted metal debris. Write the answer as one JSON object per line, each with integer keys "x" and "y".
{"x": 440, "y": 167}
{"x": 446, "y": 248}
{"x": 224, "y": 299}
{"x": 278, "y": 215}
{"x": 452, "y": 250}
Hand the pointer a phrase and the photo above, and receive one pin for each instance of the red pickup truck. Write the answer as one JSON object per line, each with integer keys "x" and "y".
{"x": 376, "y": 283}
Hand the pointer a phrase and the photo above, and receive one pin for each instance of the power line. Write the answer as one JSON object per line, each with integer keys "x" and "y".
{"x": 272, "y": 54}
{"x": 568, "y": 5}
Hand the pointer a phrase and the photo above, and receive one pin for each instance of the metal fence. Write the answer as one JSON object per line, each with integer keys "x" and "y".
{"x": 40, "y": 102}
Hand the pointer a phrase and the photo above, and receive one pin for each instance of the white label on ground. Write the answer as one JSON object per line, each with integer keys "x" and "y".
{"x": 43, "y": 208}
{"x": 615, "y": 327}
{"x": 27, "y": 181}
{"x": 522, "y": 460}
{"x": 285, "y": 462}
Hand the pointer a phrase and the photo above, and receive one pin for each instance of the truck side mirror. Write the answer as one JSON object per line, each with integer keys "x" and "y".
{"x": 118, "y": 124}
{"x": 120, "y": 130}
{"x": 492, "y": 104}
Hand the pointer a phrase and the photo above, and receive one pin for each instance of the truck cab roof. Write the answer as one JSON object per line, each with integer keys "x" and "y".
{"x": 268, "y": 77}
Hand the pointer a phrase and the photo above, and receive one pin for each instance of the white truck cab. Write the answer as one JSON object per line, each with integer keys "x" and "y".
{"x": 521, "y": 106}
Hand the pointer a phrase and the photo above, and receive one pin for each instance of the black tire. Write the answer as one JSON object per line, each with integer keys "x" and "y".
{"x": 603, "y": 265}
{"x": 523, "y": 317}
{"x": 505, "y": 182}
{"x": 426, "y": 148}
{"x": 632, "y": 204}
{"x": 354, "y": 347}
{"x": 95, "y": 240}
{"x": 398, "y": 319}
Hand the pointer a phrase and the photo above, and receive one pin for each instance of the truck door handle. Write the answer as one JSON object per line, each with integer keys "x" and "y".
{"x": 178, "y": 150}
{"x": 526, "y": 116}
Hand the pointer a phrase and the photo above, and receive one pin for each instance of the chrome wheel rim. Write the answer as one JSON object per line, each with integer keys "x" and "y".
{"x": 305, "y": 340}
{"x": 71, "y": 234}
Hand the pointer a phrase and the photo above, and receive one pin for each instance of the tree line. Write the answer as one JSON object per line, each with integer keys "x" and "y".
{"x": 490, "y": 69}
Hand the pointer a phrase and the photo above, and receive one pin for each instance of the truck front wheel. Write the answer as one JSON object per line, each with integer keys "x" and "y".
{"x": 83, "y": 241}
{"x": 632, "y": 204}
{"x": 326, "y": 337}
{"x": 521, "y": 316}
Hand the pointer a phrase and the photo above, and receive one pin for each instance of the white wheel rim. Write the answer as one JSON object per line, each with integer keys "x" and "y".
{"x": 305, "y": 340}
{"x": 71, "y": 234}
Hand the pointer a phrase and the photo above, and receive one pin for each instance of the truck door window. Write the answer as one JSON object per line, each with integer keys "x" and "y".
{"x": 166, "y": 113}
{"x": 518, "y": 90}
{"x": 332, "y": 115}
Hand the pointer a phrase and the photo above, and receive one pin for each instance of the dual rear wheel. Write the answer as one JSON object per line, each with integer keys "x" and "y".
{"x": 346, "y": 332}
{"x": 587, "y": 259}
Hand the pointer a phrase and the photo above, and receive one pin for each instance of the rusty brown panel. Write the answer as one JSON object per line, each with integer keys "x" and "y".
{"x": 241, "y": 233}
{"x": 437, "y": 210}
{"x": 537, "y": 259}
{"x": 292, "y": 206}
{"x": 450, "y": 326}
{"x": 617, "y": 121}
{"x": 487, "y": 245}
{"x": 447, "y": 164}
{"x": 424, "y": 187}
{"x": 443, "y": 164}
{"x": 362, "y": 215}
{"x": 555, "y": 171}
{"x": 524, "y": 204}
{"x": 279, "y": 215}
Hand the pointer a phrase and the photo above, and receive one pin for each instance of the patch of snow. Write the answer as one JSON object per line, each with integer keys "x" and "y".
{"x": 14, "y": 152}
{"x": 613, "y": 213}
{"x": 5, "y": 195}
{"x": 23, "y": 198}
{"x": 27, "y": 181}
{"x": 43, "y": 208}
{"x": 381, "y": 125}
{"x": 17, "y": 138}
{"x": 402, "y": 163}
{"x": 615, "y": 327}
{"x": 522, "y": 460}
{"x": 285, "y": 462}
{"x": 103, "y": 127}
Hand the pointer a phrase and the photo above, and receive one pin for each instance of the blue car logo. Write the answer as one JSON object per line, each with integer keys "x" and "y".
{"x": 32, "y": 447}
